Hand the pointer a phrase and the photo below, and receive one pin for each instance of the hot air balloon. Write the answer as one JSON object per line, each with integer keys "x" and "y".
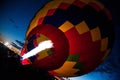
{"x": 82, "y": 33}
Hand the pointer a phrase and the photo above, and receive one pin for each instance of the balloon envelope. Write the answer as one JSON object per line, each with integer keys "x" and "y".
{"x": 86, "y": 33}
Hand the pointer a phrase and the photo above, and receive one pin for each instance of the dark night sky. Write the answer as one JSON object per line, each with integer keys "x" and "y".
{"x": 15, "y": 16}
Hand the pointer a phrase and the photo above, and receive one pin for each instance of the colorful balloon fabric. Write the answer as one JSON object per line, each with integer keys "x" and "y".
{"x": 48, "y": 59}
{"x": 81, "y": 28}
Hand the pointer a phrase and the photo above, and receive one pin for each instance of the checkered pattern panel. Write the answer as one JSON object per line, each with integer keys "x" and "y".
{"x": 88, "y": 26}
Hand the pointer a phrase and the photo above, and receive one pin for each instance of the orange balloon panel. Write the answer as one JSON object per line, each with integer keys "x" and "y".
{"x": 88, "y": 32}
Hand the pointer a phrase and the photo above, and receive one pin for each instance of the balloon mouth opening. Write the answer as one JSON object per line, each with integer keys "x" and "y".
{"x": 44, "y": 43}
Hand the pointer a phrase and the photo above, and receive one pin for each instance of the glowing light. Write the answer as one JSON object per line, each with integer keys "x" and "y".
{"x": 6, "y": 43}
{"x": 42, "y": 46}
